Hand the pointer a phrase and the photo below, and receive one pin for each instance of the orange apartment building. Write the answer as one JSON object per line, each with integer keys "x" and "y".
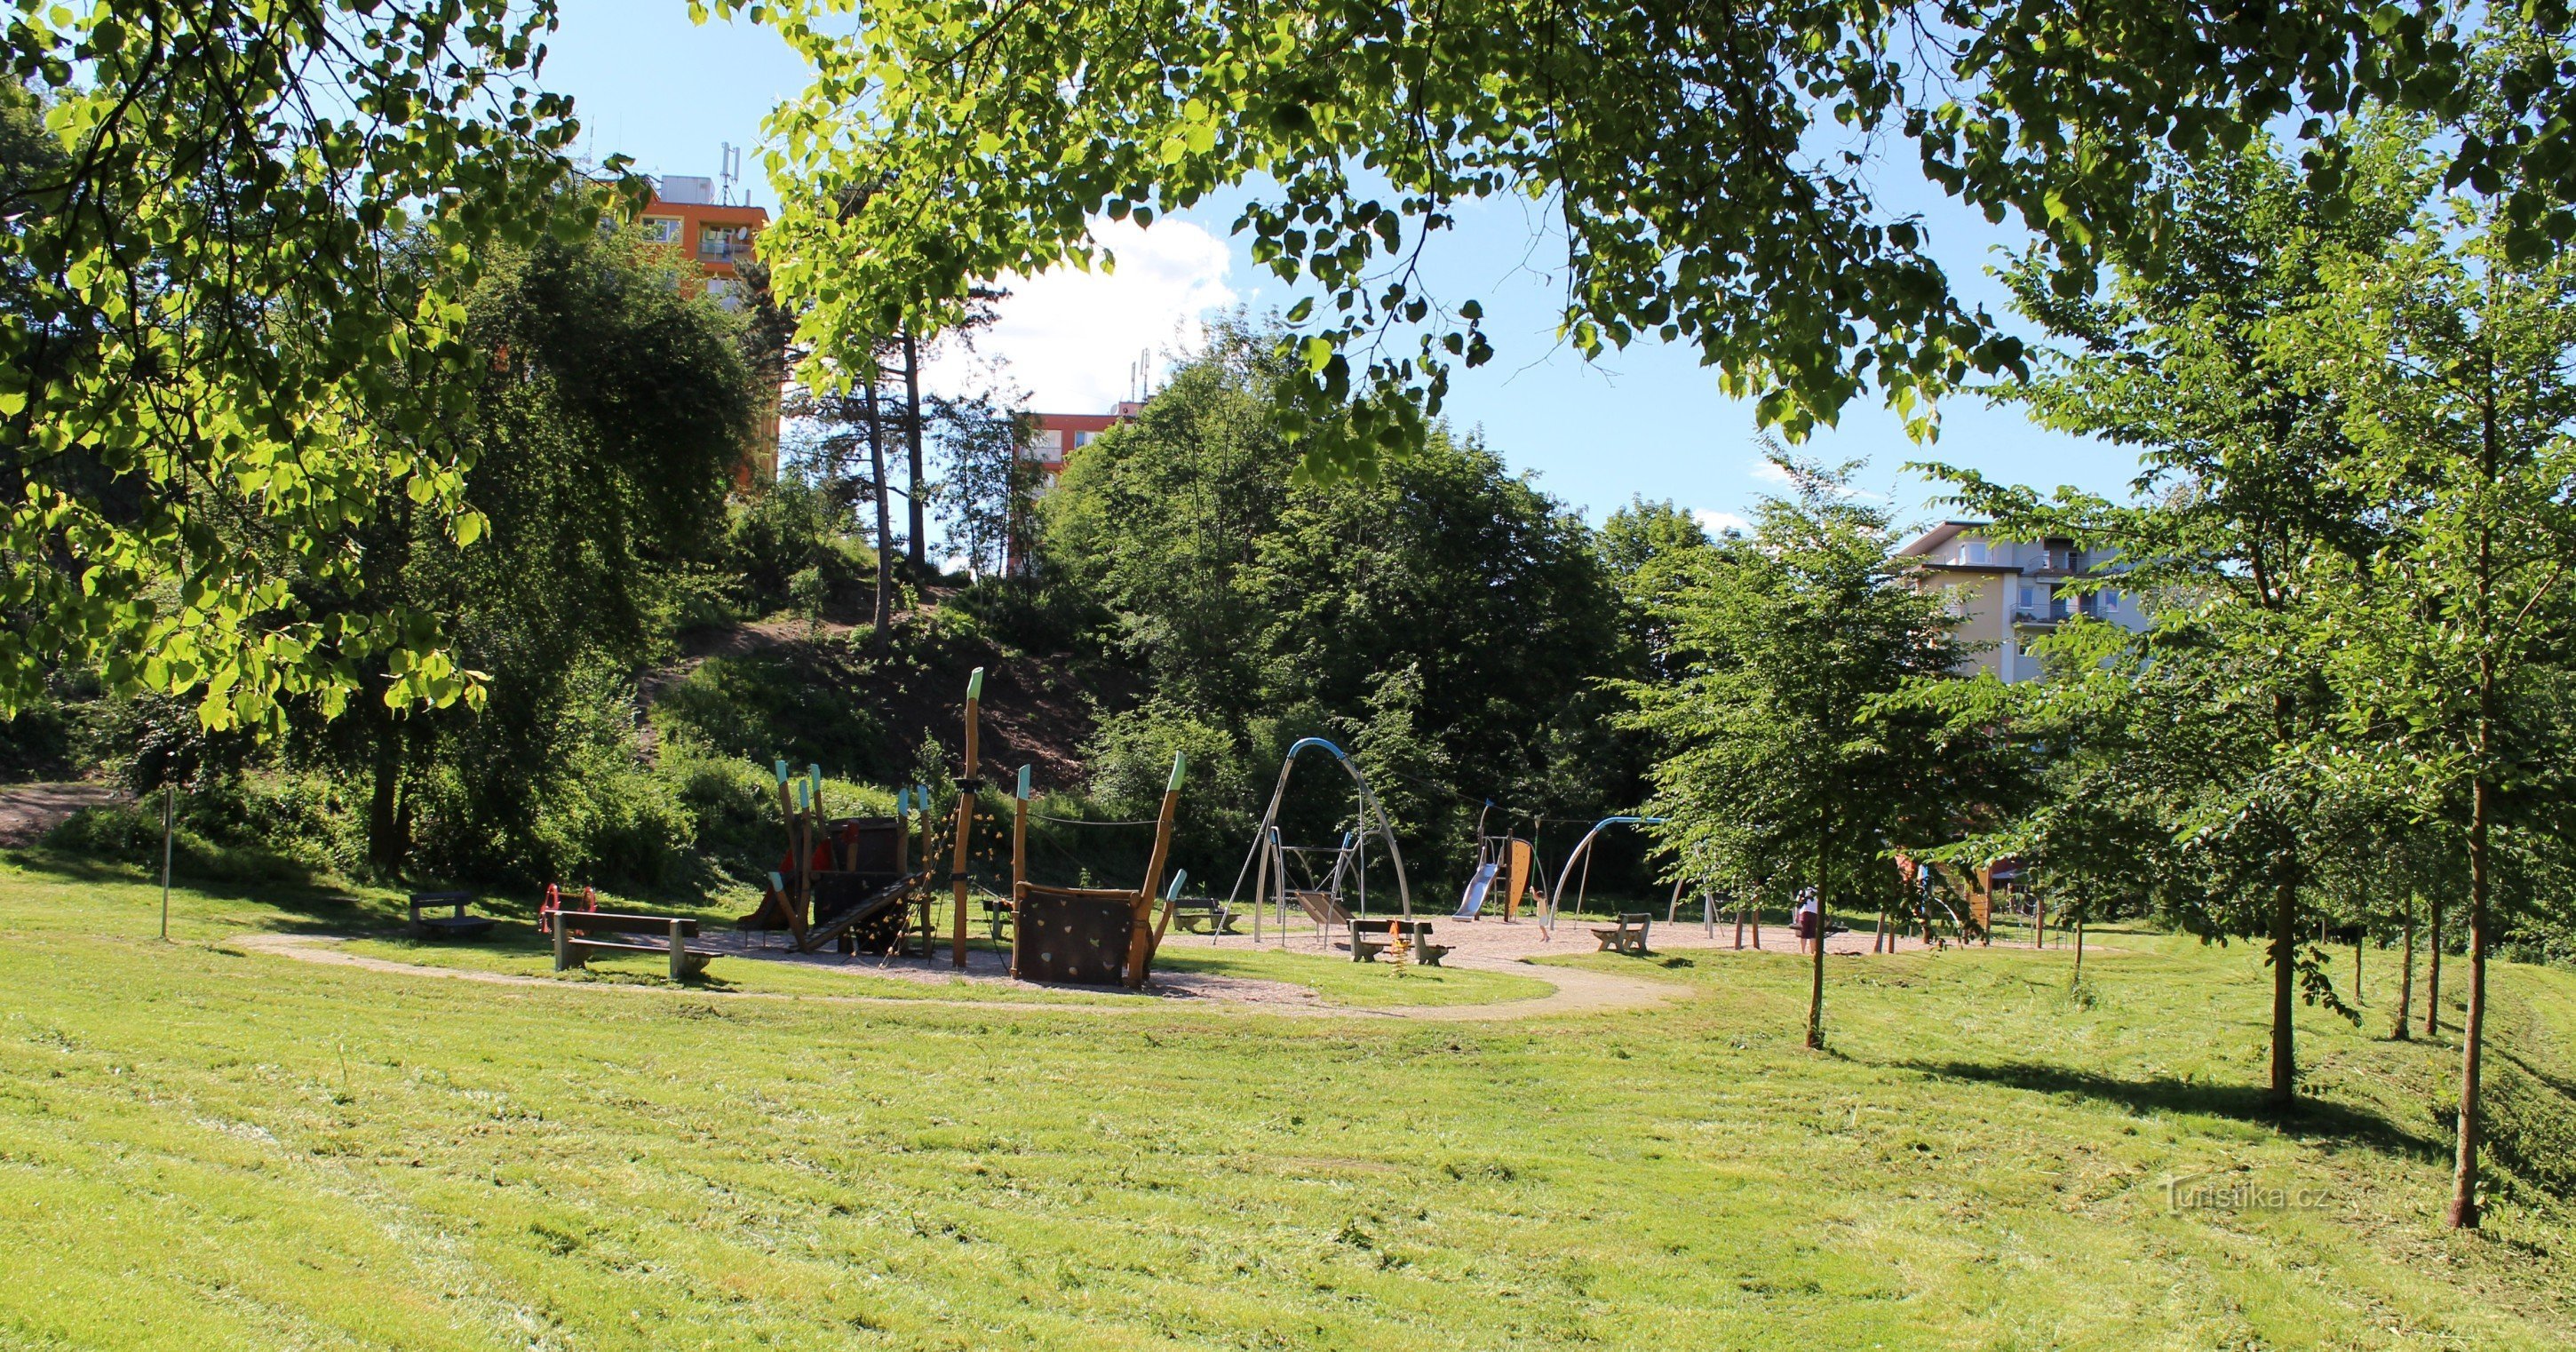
{"x": 686, "y": 217}
{"x": 1053, "y": 438}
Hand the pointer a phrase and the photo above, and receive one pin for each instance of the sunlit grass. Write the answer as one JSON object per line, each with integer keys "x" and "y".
{"x": 207, "y": 1149}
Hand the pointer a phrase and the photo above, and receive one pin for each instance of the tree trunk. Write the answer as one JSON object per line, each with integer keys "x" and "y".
{"x": 1739, "y": 925}
{"x": 912, "y": 447}
{"x": 2405, "y": 977}
{"x": 2464, "y": 1176}
{"x": 2285, "y": 971}
{"x": 2357, "y": 936}
{"x": 2433, "y": 965}
{"x": 1816, "y": 979}
{"x": 385, "y": 844}
{"x": 1878, "y": 941}
{"x": 2079, "y": 945}
{"x": 2038, "y": 921}
{"x": 884, "y": 618}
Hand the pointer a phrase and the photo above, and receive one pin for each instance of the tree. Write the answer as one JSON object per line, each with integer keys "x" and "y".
{"x": 2242, "y": 510}
{"x": 2456, "y": 368}
{"x": 609, "y": 412}
{"x": 223, "y": 282}
{"x": 1783, "y": 748}
{"x": 985, "y": 495}
{"x": 1459, "y": 615}
{"x": 1680, "y": 148}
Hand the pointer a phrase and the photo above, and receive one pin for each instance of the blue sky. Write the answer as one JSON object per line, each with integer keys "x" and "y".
{"x": 1649, "y": 421}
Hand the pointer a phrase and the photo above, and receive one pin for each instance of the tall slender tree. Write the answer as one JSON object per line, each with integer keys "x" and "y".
{"x": 2455, "y": 366}
{"x": 2241, "y": 506}
{"x": 1783, "y": 750}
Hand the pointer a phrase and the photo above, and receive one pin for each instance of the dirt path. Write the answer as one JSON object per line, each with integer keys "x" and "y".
{"x": 28, "y": 811}
{"x": 1577, "y": 991}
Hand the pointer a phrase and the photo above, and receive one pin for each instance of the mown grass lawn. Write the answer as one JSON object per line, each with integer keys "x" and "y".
{"x": 201, "y": 1148}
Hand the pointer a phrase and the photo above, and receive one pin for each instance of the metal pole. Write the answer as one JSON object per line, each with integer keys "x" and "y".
{"x": 166, "y": 793}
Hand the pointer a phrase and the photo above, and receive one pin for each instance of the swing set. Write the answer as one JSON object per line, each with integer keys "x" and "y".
{"x": 1343, "y": 868}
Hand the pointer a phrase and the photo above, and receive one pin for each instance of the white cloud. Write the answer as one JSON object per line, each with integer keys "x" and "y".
{"x": 1071, "y": 339}
{"x": 1719, "y": 523}
{"x": 1770, "y": 471}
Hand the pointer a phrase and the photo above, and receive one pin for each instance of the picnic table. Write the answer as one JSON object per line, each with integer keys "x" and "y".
{"x": 455, "y": 925}
{"x": 1205, "y": 915}
{"x": 1629, "y": 937}
{"x": 1372, "y": 937}
{"x": 573, "y": 952}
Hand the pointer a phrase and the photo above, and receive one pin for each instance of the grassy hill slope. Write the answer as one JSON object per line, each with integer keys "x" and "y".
{"x": 205, "y": 1148}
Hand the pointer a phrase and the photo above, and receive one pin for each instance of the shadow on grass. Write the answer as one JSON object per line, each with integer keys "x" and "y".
{"x": 2307, "y": 1119}
{"x": 314, "y": 905}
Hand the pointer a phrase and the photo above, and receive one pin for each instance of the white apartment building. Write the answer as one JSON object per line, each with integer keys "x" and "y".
{"x": 2010, "y": 592}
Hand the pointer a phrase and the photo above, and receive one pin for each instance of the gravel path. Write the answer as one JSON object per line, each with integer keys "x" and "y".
{"x": 28, "y": 811}
{"x": 1577, "y": 991}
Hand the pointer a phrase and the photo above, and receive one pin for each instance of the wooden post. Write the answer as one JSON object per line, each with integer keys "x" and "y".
{"x": 1148, "y": 936}
{"x": 795, "y": 843}
{"x": 1019, "y": 866}
{"x": 166, "y": 793}
{"x": 929, "y": 855}
{"x": 798, "y": 904}
{"x": 679, "y": 954}
{"x": 563, "y": 943}
{"x": 966, "y": 787}
{"x": 902, "y": 830}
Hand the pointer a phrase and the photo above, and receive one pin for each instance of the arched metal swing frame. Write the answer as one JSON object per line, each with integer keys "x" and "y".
{"x": 1578, "y": 867}
{"x": 1266, "y": 862}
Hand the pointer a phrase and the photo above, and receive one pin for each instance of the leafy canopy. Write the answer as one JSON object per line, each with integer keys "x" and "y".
{"x": 1710, "y": 168}
{"x": 244, "y": 239}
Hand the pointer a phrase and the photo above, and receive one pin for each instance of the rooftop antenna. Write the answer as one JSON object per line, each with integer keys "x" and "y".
{"x": 729, "y": 158}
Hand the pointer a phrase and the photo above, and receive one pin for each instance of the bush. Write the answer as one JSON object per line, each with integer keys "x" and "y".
{"x": 767, "y": 705}
{"x": 263, "y": 827}
{"x": 731, "y": 805}
{"x": 42, "y": 742}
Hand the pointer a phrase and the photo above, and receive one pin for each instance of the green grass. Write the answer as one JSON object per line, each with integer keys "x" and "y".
{"x": 202, "y": 1149}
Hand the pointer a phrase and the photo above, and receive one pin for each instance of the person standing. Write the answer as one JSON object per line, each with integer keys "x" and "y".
{"x": 1806, "y": 919}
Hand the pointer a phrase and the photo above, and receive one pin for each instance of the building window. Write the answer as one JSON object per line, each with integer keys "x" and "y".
{"x": 720, "y": 242}
{"x": 661, "y": 229}
{"x": 2026, "y": 597}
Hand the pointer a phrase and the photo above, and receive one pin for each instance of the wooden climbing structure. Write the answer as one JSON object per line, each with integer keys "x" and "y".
{"x": 1093, "y": 936}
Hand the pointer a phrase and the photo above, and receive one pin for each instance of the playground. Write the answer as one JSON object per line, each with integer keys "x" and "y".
{"x": 936, "y": 1088}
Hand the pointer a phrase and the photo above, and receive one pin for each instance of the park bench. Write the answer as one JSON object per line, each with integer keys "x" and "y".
{"x": 455, "y": 925}
{"x": 1201, "y": 915}
{"x": 674, "y": 934}
{"x": 1629, "y": 937}
{"x": 1372, "y": 937}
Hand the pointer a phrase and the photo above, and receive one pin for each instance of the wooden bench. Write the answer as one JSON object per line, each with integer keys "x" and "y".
{"x": 1629, "y": 937}
{"x": 1372, "y": 937}
{"x": 457, "y": 925}
{"x": 1200, "y": 915}
{"x": 673, "y": 931}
